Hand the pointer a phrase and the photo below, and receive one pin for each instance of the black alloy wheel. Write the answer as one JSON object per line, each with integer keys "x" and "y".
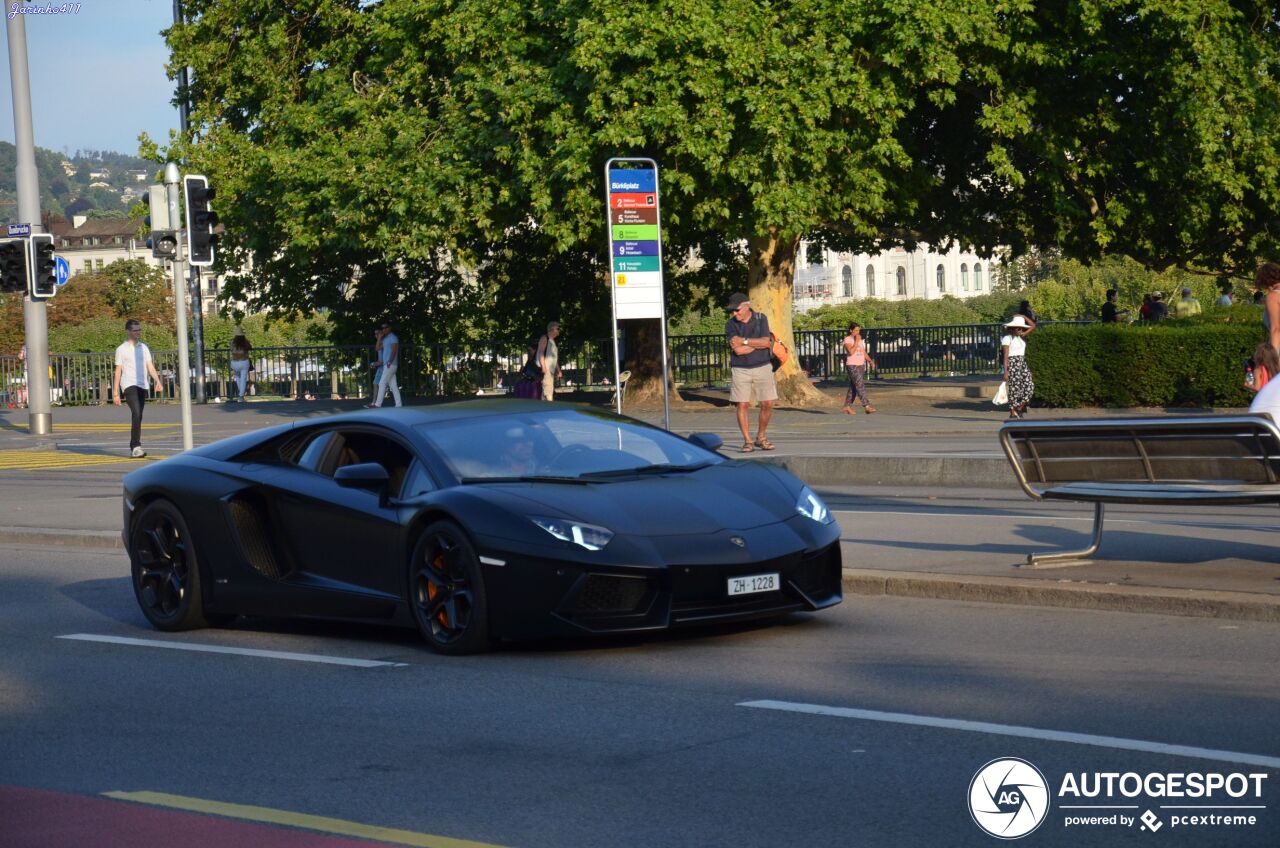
{"x": 446, "y": 591}
{"x": 166, "y": 575}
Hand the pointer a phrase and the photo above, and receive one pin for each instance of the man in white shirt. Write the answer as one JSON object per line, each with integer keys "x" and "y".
{"x": 133, "y": 364}
{"x": 390, "y": 360}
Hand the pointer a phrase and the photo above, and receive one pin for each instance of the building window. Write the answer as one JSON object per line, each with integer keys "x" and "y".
{"x": 99, "y": 261}
{"x": 847, "y": 278}
{"x": 902, "y": 280}
{"x": 88, "y": 266}
{"x": 942, "y": 279}
{"x": 871, "y": 281}
{"x": 964, "y": 276}
{"x": 977, "y": 277}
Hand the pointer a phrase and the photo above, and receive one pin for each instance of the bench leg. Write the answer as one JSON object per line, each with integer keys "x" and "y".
{"x": 1058, "y": 558}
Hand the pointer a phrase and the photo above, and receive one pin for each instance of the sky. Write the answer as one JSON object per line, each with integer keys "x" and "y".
{"x": 97, "y": 75}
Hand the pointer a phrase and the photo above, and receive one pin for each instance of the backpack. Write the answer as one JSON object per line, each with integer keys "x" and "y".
{"x": 778, "y": 350}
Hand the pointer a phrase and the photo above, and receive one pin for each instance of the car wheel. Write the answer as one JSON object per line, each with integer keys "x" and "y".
{"x": 446, "y": 591}
{"x": 166, "y": 574}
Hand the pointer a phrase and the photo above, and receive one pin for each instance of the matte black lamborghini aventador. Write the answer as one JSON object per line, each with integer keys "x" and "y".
{"x": 476, "y": 521}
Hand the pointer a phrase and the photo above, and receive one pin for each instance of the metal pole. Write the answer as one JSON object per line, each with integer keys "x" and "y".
{"x": 193, "y": 283}
{"x": 171, "y": 181}
{"x": 34, "y": 313}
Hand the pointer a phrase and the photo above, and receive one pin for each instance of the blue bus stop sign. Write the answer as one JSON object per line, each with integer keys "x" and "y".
{"x": 61, "y": 269}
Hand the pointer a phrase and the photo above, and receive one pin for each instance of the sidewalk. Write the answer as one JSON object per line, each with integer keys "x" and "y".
{"x": 932, "y": 441}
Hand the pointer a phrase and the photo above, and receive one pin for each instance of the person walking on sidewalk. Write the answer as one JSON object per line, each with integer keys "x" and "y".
{"x": 549, "y": 360}
{"x": 377, "y": 361}
{"x": 1016, "y": 373}
{"x": 855, "y": 363}
{"x": 390, "y": 361}
{"x": 749, "y": 342}
{"x": 133, "y": 365}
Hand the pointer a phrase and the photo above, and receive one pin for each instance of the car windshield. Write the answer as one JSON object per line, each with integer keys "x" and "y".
{"x": 562, "y": 443}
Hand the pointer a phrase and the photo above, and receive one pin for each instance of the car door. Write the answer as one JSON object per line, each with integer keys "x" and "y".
{"x": 344, "y": 541}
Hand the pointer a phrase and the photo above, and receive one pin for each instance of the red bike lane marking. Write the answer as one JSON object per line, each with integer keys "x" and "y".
{"x": 38, "y": 818}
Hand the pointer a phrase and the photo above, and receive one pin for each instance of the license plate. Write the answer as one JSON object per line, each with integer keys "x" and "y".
{"x": 753, "y": 583}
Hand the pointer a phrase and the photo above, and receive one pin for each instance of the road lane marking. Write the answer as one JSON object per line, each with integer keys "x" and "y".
{"x": 219, "y": 649}
{"x": 1023, "y": 732}
{"x": 20, "y": 460}
{"x": 68, "y": 427}
{"x": 324, "y": 824}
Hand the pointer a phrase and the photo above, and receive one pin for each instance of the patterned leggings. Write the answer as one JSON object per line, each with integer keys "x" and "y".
{"x": 857, "y": 387}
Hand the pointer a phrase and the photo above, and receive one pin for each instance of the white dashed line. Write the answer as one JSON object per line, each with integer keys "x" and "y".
{"x": 244, "y": 652}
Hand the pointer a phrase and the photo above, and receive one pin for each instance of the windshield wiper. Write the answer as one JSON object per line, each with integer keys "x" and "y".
{"x": 665, "y": 468}
{"x": 531, "y": 478}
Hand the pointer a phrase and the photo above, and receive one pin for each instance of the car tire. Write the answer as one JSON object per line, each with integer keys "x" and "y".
{"x": 166, "y": 572}
{"x": 446, "y": 591}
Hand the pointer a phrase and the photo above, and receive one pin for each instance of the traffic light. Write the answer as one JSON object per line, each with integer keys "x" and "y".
{"x": 200, "y": 219}
{"x": 44, "y": 267}
{"x": 13, "y": 265}
{"x": 162, "y": 238}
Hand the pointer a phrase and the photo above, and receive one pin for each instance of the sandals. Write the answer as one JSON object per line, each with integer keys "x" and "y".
{"x": 868, "y": 409}
{"x": 765, "y": 444}
{"x": 747, "y": 447}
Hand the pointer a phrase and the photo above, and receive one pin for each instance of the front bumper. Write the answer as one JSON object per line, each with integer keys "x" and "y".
{"x": 531, "y": 596}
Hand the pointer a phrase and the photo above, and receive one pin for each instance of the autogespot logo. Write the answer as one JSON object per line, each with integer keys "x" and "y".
{"x": 1008, "y": 798}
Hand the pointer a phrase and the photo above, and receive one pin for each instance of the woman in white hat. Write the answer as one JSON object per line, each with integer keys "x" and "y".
{"x": 1016, "y": 373}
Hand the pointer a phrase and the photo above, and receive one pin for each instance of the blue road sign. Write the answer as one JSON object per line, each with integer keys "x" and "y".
{"x": 61, "y": 269}
{"x": 19, "y": 229}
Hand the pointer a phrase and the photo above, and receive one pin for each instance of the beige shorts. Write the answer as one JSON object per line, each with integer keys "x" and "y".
{"x": 747, "y": 380}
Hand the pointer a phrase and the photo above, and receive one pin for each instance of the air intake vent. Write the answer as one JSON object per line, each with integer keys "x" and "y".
{"x": 254, "y": 541}
{"x": 605, "y": 594}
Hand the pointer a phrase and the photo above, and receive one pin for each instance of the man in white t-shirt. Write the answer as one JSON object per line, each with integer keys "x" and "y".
{"x": 133, "y": 364}
{"x": 389, "y": 359}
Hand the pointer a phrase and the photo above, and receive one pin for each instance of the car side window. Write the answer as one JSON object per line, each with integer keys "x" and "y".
{"x": 360, "y": 446}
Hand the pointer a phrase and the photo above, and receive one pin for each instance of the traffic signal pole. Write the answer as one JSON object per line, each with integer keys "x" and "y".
{"x": 193, "y": 284}
{"x": 35, "y": 316}
{"x": 171, "y": 181}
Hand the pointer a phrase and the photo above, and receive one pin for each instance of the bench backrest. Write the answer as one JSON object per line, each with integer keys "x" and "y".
{"x": 1229, "y": 449}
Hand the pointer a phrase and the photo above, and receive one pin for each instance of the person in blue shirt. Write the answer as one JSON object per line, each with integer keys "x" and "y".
{"x": 389, "y": 360}
{"x": 750, "y": 343}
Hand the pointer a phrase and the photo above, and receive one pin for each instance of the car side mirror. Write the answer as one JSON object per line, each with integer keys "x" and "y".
{"x": 370, "y": 476}
{"x": 710, "y": 441}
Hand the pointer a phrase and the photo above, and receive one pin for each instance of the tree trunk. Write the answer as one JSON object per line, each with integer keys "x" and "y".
{"x": 770, "y": 277}
{"x": 642, "y": 356}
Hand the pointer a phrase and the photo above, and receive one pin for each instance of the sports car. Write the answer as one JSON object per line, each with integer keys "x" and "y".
{"x": 476, "y": 522}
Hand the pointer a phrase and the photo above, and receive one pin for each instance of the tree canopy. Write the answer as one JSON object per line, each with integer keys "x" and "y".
{"x": 441, "y": 160}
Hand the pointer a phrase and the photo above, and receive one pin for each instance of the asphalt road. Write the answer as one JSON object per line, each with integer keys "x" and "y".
{"x": 634, "y": 742}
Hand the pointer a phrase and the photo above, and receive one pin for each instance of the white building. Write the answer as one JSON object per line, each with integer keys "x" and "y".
{"x": 91, "y": 245}
{"x": 893, "y": 275}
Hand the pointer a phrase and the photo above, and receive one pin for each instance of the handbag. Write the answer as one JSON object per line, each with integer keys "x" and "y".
{"x": 779, "y": 354}
{"x": 1002, "y": 394}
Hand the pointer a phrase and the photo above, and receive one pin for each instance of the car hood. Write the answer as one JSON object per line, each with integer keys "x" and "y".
{"x": 727, "y": 496}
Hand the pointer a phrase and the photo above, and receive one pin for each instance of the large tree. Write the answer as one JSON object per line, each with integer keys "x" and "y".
{"x": 398, "y": 142}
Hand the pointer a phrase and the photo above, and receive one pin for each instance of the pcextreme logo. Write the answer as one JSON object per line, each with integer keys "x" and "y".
{"x": 1008, "y": 798}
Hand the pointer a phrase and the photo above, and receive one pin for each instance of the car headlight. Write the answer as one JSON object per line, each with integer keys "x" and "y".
{"x": 811, "y": 506}
{"x": 589, "y": 536}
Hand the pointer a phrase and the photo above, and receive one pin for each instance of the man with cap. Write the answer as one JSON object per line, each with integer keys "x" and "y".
{"x": 750, "y": 343}
{"x": 133, "y": 365}
{"x": 1186, "y": 307}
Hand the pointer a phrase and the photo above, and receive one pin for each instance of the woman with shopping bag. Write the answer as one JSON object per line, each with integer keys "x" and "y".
{"x": 1017, "y": 376}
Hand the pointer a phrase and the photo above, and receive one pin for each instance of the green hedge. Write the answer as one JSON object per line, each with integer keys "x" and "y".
{"x": 1171, "y": 364}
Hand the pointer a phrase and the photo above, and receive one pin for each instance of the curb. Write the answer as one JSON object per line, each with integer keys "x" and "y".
{"x": 961, "y": 471}
{"x": 97, "y": 539}
{"x": 1200, "y": 603}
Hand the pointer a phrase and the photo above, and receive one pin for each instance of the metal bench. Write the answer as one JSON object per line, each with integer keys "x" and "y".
{"x": 1176, "y": 460}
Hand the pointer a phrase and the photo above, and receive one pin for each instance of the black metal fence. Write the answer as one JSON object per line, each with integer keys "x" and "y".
{"x": 344, "y": 371}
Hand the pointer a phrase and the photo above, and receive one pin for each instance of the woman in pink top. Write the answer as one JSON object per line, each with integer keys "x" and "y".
{"x": 855, "y": 362}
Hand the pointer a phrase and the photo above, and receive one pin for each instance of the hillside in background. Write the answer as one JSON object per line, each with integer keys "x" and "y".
{"x": 73, "y": 189}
